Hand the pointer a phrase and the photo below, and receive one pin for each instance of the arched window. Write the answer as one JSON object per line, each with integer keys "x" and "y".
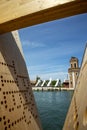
{"x": 74, "y": 65}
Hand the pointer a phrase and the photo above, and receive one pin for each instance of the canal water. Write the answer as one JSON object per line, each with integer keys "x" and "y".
{"x": 52, "y": 108}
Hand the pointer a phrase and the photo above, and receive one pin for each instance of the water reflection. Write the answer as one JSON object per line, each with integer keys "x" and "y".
{"x": 53, "y": 107}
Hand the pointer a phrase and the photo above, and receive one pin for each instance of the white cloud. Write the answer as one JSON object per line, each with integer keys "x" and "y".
{"x": 55, "y": 75}
{"x": 32, "y": 44}
{"x": 50, "y": 53}
{"x": 46, "y": 71}
{"x": 44, "y": 66}
{"x": 47, "y": 68}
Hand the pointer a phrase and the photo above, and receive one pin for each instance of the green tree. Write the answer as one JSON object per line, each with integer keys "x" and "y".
{"x": 53, "y": 83}
{"x": 37, "y": 78}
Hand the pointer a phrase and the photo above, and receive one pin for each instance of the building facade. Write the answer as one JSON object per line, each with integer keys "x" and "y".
{"x": 73, "y": 71}
{"x": 66, "y": 83}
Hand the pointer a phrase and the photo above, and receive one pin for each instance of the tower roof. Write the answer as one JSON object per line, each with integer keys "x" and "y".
{"x": 73, "y": 59}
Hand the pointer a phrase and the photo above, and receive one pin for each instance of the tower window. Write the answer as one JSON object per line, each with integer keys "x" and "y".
{"x": 74, "y": 65}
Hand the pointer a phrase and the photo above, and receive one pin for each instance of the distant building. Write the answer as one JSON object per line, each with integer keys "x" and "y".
{"x": 73, "y": 72}
{"x": 66, "y": 83}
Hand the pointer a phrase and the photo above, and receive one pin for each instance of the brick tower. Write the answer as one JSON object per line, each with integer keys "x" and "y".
{"x": 73, "y": 72}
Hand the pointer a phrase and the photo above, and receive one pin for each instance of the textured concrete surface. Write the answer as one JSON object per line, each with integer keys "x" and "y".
{"x": 17, "y": 106}
{"x": 77, "y": 115}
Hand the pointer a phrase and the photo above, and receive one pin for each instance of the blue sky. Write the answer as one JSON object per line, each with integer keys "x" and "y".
{"x": 48, "y": 47}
